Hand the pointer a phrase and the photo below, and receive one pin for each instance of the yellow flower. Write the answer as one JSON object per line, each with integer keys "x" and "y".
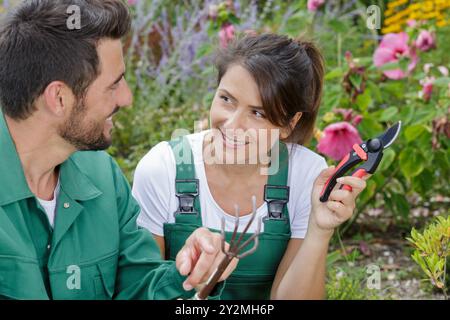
{"x": 328, "y": 117}
{"x": 318, "y": 134}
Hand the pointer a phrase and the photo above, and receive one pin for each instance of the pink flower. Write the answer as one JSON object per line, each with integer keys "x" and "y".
{"x": 347, "y": 114}
{"x": 313, "y": 5}
{"x": 426, "y": 40}
{"x": 427, "y": 88}
{"x": 338, "y": 140}
{"x": 427, "y": 67}
{"x": 357, "y": 120}
{"x": 443, "y": 70}
{"x": 349, "y": 58}
{"x": 132, "y": 2}
{"x": 226, "y": 34}
{"x": 213, "y": 11}
{"x": 411, "y": 23}
{"x": 392, "y": 48}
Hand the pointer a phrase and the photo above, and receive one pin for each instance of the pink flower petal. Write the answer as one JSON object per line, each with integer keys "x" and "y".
{"x": 338, "y": 140}
{"x": 443, "y": 70}
{"x": 396, "y": 42}
{"x": 395, "y": 74}
{"x": 313, "y": 5}
{"x": 383, "y": 56}
{"x": 426, "y": 40}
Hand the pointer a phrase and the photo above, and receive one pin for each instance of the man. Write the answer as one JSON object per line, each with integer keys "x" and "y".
{"x": 67, "y": 218}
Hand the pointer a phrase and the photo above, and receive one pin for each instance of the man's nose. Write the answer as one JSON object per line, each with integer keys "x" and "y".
{"x": 125, "y": 96}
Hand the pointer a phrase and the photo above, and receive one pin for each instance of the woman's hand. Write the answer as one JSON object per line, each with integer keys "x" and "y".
{"x": 326, "y": 216}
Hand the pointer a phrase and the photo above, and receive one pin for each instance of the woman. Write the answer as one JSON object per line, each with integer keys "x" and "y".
{"x": 263, "y": 113}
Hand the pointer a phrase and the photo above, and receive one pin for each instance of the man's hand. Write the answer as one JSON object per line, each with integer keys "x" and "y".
{"x": 200, "y": 256}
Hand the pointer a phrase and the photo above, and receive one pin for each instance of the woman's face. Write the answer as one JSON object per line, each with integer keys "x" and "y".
{"x": 240, "y": 128}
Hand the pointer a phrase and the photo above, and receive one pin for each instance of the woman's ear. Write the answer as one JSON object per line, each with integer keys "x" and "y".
{"x": 285, "y": 132}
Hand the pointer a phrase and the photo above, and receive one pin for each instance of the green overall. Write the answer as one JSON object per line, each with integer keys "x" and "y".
{"x": 254, "y": 275}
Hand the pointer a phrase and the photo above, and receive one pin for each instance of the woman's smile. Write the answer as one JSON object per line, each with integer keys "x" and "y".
{"x": 232, "y": 142}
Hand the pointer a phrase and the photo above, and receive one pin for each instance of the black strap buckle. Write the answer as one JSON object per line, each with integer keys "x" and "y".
{"x": 276, "y": 200}
{"x": 187, "y": 191}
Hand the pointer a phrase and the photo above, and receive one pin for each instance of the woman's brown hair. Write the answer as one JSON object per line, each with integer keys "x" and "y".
{"x": 289, "y": 74}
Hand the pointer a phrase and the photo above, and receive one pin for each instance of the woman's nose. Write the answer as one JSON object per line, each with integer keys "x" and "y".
{"x": 235, "y": 120}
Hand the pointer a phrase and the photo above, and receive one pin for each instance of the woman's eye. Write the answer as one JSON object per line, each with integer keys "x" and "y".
{"x": 258, "y": 114}
{"x": 225, "y": 98}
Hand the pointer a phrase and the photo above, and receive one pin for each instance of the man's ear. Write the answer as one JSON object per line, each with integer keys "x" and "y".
{"x": 58, "y": 98}
{"x": 285, "y": 132}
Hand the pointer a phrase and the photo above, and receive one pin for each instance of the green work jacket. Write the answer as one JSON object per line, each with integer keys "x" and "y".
{"x": 95, "y": 251}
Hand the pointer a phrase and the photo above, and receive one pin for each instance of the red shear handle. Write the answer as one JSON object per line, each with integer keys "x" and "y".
{"x": 340, "y": 165}
{"x": 360, "y": 173}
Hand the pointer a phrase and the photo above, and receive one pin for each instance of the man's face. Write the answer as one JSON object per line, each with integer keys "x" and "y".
{"x": 89, "y": 124}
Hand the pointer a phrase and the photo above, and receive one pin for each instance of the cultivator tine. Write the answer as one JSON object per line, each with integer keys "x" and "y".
{"x": 234, "y": 250}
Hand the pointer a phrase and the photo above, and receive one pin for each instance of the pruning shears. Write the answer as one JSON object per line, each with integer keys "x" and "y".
{"x": 369, "y": 151}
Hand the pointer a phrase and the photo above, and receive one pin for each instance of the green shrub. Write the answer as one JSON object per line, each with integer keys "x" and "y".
{"x": 432, "y": 248}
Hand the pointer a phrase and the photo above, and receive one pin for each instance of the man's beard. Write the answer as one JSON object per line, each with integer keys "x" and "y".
{"x": 84, "y": 135}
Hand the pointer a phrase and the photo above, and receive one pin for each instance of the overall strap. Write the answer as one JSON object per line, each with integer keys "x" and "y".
{"x": 186, "y": 183}
{"x": 276, "y": 191}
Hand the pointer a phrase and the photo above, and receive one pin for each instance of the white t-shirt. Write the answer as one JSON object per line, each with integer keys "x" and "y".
{"x": 154, "y": 189}
{"x": 50, "y": 206}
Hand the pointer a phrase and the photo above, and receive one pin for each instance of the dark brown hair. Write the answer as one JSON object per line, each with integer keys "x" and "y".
{"x": 289, "y": 74}
{"x": 38, "y": 47}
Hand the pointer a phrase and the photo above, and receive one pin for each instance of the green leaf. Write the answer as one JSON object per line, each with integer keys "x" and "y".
{"x": 404, "y": 64}
{"x": 388, "y": 158}
{"x": 388, "y": 202}
{"x": 406, "y": 114}
{"x": 442, "y": 159}
{"x": 401, "y": 204}
{"x": 335, "y": 73}
{"x": 396, "y": 88}
{"x": 396, "y": 186}
{"x": 368, "y": 192}
{"x": 363, "y": 61}
{"x": 413, "y": 132}
{"x": 376, "y": 93}
{"x": 389, "y": 66}
{"x": 411, "y": 162}
{"x": 388, "y": 114}
{"x": 331, "y": 100}
{"x": 441, "y": 82}
{"x": 356, "y": 80}
{"x": 234, "y": 20}
{"x": 364, "y": 100}
{"x": 424, "y": 182}
{"x": 424, "y": 115}
{"x": 338, "y": 26}
{"x": 369, "y": 127}
{"x": 333, "y": 257}
{"x": 424, "y": 143}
